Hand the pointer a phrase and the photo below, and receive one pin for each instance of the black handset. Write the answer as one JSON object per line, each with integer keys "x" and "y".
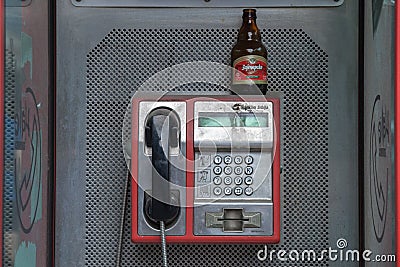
{"x": 161, "y": 134}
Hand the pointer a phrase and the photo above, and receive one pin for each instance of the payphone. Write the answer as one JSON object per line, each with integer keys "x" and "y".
{"x": 207, "y": 168}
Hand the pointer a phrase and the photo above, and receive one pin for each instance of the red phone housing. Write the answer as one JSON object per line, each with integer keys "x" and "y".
{"x": 189, "y": 236}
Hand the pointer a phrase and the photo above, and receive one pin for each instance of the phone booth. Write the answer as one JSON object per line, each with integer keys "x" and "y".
{"x": 125, "y": 141}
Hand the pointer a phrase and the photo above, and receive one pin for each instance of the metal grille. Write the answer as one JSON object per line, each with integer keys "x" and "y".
{"x": 125, "y": 58}
{"x": 9, "y": 166}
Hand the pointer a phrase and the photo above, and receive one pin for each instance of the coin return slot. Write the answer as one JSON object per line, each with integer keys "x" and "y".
{"x": 233, "y": 220}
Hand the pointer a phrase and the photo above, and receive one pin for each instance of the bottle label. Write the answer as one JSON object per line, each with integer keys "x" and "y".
{"x": 250, "y": 69}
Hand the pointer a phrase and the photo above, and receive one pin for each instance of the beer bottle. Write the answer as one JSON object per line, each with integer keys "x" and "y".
{"x": 249, "y": 58}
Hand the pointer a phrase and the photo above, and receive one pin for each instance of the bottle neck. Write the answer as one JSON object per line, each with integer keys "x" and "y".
{"x": 249, "y": 30}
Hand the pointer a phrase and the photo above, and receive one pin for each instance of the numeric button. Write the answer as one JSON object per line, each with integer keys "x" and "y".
{"x": 248, "y": 160}
{"x": 228, "y": 180}
{"x": 217, "y": 180}
{"x": 238, "y": 160}
{"x": 228, "y": 170}
{"x": 238, "y": 170}
{"x": 248, "y": 191}
{"x": 228, "y": 160}
{"x": 248, "y": 180}
{"x": 217, "y": 191}
{"x": 238, "y": 191}
{"x": 248, "y": 170}
{"x": 217, "y": 159}
{"x": 217, "y": 170}
{"x": 228, "y": 191}
{"x": 238, "y": 180}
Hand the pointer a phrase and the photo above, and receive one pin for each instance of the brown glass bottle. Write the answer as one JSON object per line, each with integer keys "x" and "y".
{"x": 249, "y": 58}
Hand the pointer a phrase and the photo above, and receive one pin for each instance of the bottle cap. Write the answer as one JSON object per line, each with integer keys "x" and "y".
{"x": 249, "y": 13}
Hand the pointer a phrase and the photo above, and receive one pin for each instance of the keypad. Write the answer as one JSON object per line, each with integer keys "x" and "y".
{"x": 227, "y": 175}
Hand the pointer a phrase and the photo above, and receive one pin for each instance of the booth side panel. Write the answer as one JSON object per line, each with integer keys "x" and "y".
{"x": 26, "y": 209}
{"x": 379, "y": 182}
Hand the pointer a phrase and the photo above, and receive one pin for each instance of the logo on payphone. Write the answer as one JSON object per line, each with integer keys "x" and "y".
{"x": 28, "y": 159}
{"x": 248, "y": 107}
{"x": 379, "y": 145}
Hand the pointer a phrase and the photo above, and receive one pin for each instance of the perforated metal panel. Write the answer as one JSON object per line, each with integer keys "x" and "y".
{"x": 9, "y": 166}
{"x": 125, "y": 58}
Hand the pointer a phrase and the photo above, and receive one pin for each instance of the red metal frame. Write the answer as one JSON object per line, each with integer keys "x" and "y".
{"x": 397, "y": 125}
{"x": 189, "y": 237}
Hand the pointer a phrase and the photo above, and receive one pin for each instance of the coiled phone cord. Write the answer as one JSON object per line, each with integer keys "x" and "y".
{"x": 163, "y": 244}
{"x": 121, "y": 234}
